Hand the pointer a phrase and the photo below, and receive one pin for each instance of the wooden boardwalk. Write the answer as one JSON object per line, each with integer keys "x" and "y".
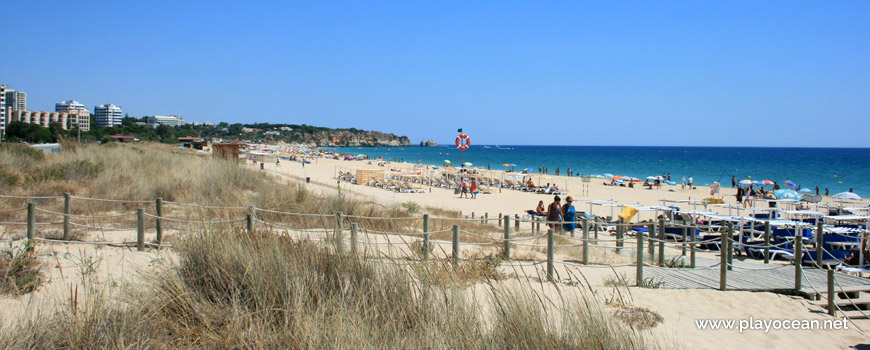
{"x": 745, "y": 276}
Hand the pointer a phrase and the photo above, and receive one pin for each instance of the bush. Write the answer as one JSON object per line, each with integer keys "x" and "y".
{"x": 20, "y": 269}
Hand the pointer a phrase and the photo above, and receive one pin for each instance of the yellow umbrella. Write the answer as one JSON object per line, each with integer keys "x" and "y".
{"x": 447, "y": 161}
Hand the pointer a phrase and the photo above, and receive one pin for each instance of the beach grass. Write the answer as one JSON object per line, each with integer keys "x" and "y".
{"x": 231, "y": 289}
{"x": 20, "y": 269}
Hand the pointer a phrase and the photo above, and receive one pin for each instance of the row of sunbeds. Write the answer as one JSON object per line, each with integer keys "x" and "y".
{"x": 396, "y": 185}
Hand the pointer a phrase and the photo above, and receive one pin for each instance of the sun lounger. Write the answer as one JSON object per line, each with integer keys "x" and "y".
{"x": 407, "y": 188}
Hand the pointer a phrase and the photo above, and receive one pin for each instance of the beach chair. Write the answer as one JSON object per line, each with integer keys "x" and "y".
{"x": 406, "y": 187}
{"x": 391, "y": 185}
{"x": 829, "y": 257}
{"x": 756, "y": 250}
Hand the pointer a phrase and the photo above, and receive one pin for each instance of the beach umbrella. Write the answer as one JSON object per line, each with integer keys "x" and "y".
{"x": 528, "y": 170}
{"x": 651, "y": 177}
{"x": 506, "y": 164}
{"x": 616, "y": 177}
{"x": 447, "y": 161}
{"x": 745, "y": 182}
{"x": 467, "y": 164}
{"x": 767, "y": 182}
{"x": 607, "y": 175}
{"x": 846, "y": 195}
{"x": 787, "y": 194}
{"x": 805, "y": 190}
{"x": 790, "y": 184}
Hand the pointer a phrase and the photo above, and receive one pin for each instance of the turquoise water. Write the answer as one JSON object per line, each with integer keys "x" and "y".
{"x": 838, "y": 169}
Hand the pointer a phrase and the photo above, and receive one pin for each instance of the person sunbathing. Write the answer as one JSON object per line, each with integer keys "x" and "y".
{"x": 540, "y": 209}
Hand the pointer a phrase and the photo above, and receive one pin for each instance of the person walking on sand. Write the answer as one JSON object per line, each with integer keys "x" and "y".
{"x": 733, "y": 181}
{"x": 473, "y": 188}
{"x": 463, "y": 188}
{"x": 339, "y": 187}
{"x": 817, "y": 190}
{"x": 554, "y": 214}
{"x": 691, "y": 183}
{"x": 683, "y": 184}
{"x": 569, "y": 214}
{"x": 278, "y": 162}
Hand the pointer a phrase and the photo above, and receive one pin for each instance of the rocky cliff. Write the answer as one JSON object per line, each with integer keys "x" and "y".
{"x": 428, "y": 143}
{"x": 346, "y": 138}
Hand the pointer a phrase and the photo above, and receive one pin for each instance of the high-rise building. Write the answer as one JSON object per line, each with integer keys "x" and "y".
{"x": 108, "y": 115}
{"x": 16, "y": 100}
{"x": 2, "y": 111}
{"x": 69, "y": 105}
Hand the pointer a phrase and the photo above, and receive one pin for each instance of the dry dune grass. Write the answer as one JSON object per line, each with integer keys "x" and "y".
{"x": 232, "y": 289}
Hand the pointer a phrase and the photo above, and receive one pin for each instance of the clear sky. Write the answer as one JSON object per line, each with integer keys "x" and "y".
{"x": 705, "y": 73}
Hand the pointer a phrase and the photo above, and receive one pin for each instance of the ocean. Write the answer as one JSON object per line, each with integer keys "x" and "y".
{"x": 837, "y": 169}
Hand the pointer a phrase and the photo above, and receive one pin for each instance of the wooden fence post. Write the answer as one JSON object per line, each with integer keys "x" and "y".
{"x": 586, "y": 240}
{"x": 729, "y": 251}
{"x": 619, "y": 230}
{"x": 693, "y": 231}
{"x": 798, "y": 260}
{"x": 158, "y": 225}
{"x": 652, "y": 244}
{"x": 517, "y": 223}
{"x": 140, "y": 229}
{"x": 767, "y": 242}
{"x": 500, "y": 215}
{"x": 339, "y": 233}
{"x": 832, "y": 307}
{"x": 550, "y": 248}
{"x": 455, "y": 257}
{"x": 685, "y": 239}
{"x": 354, "y": 229}
{"x": 425, "y": 237}
{"x": 820, "y": 232}
{"x": 723, "y": 261}
{"x": 66, "y": 212}
{"x": 250, "y": 219}
{"x": 31, "y": 220}
{"x": 507, "y": 237}
{"x": 662, "y": 241}
{"x": 639, "y": 251}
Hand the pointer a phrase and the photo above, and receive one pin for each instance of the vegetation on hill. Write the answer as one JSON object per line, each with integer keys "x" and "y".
{"x": 290, "y": 133}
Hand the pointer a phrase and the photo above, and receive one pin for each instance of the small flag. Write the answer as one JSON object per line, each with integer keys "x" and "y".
{"x": 460, "y": 130}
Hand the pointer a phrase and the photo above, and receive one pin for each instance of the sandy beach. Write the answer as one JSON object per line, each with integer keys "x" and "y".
{"x": 679, "y": 308}
{"x": 111, "y": 266}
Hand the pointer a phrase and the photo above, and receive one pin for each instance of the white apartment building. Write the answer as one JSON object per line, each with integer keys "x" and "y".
{"x": 69, "y": 105}
{"x": 170, "y": 120}
{"x": 108, "y": 115}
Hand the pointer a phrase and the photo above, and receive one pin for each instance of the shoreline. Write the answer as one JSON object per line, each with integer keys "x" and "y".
{"x": 705, "y": 164}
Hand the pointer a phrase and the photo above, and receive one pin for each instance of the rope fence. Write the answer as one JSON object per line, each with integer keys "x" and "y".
{"x": 649, "y": 244}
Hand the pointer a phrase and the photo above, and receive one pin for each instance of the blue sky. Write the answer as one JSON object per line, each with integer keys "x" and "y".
{"x": 729, "y": 73}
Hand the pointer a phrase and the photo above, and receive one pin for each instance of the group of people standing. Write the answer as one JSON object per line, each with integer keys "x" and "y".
{"x": 467, "y": 188}
{"x": 544, "y": 170}
{"x": 556, "y": 212}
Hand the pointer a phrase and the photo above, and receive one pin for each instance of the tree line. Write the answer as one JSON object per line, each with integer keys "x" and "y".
{"x": 34, "y": 133}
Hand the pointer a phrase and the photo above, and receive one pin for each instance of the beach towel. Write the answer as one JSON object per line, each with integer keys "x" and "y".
{"x": 628, "y": 213}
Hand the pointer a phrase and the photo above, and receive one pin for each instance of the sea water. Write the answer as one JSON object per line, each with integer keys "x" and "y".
{"x": 837, "y": 169}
